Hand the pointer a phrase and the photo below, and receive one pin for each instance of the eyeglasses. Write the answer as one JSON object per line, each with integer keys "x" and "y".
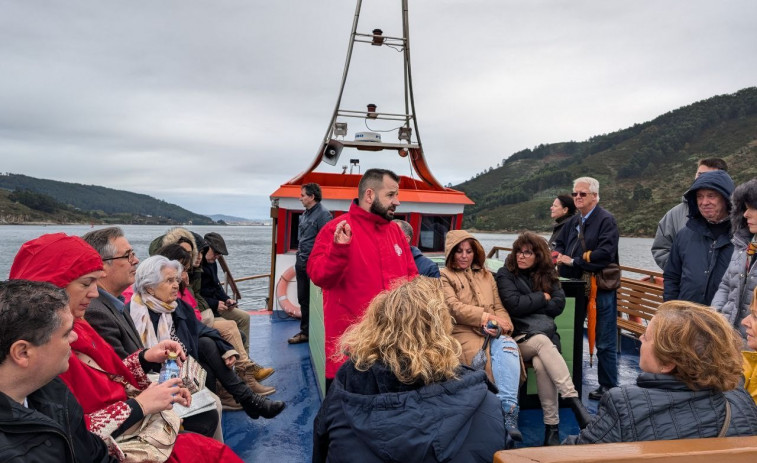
{"x": 130, "y": 255}
{"x": 524, "y": 253}
{"x": 582, "y": 194}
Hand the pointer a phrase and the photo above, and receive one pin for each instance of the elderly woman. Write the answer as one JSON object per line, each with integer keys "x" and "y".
{"x": 113, "y": 393}
{"x": 160, "y": 315}
{"x": 734, "y": 294}
{"x": 472, "y": 296}
{"x": 561, "y": 210}
{"x": 531, "y": 293}
{"x": 691, "y": 370}
{"x": 229, "y": 331}
{"x": 403, "y": 378}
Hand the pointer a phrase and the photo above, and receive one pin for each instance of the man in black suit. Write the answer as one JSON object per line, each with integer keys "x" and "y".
{"x": 106, "y": 312}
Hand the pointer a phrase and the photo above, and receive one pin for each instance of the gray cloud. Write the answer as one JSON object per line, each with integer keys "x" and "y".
{"x": 212, "y": 105}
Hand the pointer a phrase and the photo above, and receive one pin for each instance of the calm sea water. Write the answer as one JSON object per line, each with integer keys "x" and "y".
{"x": 250, "y": 246}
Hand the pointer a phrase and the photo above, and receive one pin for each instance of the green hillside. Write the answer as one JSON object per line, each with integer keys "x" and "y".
{"x": 642, "y": 170}
{"x": 54, "y": 201}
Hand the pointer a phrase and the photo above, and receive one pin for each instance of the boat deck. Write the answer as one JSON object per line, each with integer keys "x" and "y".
{"x": 289, "y": 436}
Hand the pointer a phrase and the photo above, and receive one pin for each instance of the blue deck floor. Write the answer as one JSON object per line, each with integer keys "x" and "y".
{"x": 288, "y": 437}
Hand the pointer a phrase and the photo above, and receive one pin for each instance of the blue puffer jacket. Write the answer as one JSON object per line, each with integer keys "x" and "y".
{"x": 660, "y": 407}
{"x": 371, "y": 417}
{"x": 699, "y": 258}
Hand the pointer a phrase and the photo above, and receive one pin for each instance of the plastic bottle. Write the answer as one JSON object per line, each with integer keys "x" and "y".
{"x": 170, "y": 368}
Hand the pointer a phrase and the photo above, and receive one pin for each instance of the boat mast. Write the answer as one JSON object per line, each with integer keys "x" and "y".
{"x": 409, "y": 141}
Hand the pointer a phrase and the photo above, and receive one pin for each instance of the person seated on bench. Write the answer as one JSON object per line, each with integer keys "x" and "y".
{"x": 403, "y": 395}
{"x": 531, "y": 293}
{"x": 479, "y": 316}
{"x": 689, "y": 386}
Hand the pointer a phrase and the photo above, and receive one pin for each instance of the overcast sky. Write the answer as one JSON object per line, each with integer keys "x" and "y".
{"x": 213, "y": 104}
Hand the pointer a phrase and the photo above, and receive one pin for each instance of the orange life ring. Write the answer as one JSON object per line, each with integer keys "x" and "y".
{"x": 282, "y": 287}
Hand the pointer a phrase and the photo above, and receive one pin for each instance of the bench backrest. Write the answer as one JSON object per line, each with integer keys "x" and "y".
{"x": 723, "y": 449}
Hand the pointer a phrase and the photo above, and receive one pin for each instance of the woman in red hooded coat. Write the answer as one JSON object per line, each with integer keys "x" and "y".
{"x": 70, "y": 263}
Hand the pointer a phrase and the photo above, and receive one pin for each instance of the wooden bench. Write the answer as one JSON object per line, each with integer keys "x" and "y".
{"x": 638, "y": 300}
{"x": 725, "y": 449}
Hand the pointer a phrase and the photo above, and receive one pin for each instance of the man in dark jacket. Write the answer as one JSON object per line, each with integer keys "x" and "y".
{"x": 106, "y": 312}
{"x": 425, "y": 265}
{"x": 675, "y": 219}
{"x": 311, "y": 222}
{"x": 702, "y": 250}
{"x": 40, "y": 420}
{"x": 587, "y": 244}
{"x": 223, "y": 306}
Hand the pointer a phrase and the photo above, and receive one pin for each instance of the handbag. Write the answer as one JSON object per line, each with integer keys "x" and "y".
{"x": 153, "y": 437}
{"x": 193, "y": 374}
{"x": 608, "y": 279}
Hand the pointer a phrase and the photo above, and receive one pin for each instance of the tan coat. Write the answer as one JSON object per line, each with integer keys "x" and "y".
{"x": 469, "y": 293}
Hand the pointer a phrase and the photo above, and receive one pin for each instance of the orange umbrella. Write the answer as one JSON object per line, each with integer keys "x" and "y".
{"x": 591, "y": 315}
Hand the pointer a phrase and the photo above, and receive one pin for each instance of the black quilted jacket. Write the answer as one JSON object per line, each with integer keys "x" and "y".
{"x": 659, "y": 407}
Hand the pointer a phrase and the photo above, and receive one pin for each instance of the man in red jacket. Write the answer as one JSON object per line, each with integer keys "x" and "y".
{"x": 359, "y": 255}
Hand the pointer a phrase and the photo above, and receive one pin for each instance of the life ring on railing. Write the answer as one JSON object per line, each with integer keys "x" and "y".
{"x": 282, "y": 287}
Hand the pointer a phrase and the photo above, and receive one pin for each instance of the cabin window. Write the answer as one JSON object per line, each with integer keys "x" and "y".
{"x": 434, "y": 229}
{"x": 294, "y": 223}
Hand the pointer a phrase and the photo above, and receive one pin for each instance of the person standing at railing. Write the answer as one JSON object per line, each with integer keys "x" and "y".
{"x": 675, "y": 219}
{"x": 562, "y": 209}
{"x": 734, "y": 294}
{"x": 587, "y": 244}
{"x": 702, "y": 250}
{"x": 311, "y": 221}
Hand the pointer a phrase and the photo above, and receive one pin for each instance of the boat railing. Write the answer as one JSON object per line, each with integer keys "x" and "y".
{"x": 253, "y": 291}
{"x": 652, "y": 276}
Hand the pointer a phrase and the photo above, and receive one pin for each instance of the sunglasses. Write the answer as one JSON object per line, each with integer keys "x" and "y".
{"x": 582, "y": 194}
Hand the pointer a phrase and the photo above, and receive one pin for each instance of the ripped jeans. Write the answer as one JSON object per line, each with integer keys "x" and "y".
{"x": 506, "y": 370}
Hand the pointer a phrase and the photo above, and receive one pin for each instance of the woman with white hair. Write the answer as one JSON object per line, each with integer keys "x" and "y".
{"x": 158, "y": 314}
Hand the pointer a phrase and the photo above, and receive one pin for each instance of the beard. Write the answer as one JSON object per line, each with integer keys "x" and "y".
{"x": 385, "y": 212}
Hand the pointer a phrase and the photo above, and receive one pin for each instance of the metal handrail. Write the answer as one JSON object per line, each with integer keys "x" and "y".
{"x": 653, "y": 276}
{"x": 256, "y": 297}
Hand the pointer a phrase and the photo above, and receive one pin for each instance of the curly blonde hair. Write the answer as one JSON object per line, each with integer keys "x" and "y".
{"x": 703, "y": 347}
{"x": 408, "y": 330}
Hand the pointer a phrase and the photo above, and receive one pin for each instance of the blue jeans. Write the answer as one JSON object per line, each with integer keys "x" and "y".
{"x": 607, "y": 340}
{"x": 506, "y": 370}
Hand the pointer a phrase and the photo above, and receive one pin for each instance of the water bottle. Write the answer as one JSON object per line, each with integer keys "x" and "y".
{"x": 170, "y": 368}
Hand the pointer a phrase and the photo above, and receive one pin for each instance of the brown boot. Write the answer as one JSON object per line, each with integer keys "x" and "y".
{"x": 261, "y": 373}
{"x": 227, "y": 401}
{"x": 247, "y": 374}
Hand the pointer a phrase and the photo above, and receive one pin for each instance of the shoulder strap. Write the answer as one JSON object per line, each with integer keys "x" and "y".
{"x": 727, "y": 422}
{"x": 90, "y": 362}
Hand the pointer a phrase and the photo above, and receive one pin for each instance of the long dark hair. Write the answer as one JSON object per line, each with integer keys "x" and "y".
{"x": 176, "y": 252}
{"x": 543, "y": 272}
{"x": 567, "y": 201}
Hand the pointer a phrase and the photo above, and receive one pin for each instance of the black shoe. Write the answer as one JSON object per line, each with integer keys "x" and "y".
{"x": 551, "y": 434}
{"x": 583, "y": 417}
{"x": 256, "y": 406}
{"x": 598, "y": 393}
